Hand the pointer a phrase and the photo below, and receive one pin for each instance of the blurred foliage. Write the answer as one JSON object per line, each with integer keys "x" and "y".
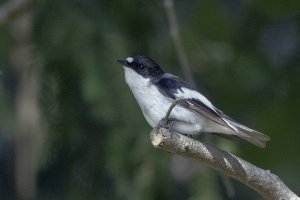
{"x": 245, "y": 58}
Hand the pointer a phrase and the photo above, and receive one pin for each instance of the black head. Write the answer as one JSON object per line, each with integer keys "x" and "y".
{"x": 143, "y": 65}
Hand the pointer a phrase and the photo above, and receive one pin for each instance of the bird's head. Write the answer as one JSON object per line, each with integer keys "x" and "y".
{"x": 143, "y": 66}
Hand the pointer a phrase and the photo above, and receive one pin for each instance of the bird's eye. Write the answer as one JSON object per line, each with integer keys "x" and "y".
{"x": 141, "y": 67}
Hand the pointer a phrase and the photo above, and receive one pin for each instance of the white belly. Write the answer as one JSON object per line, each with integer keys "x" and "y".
{"x": 154, "y": 105}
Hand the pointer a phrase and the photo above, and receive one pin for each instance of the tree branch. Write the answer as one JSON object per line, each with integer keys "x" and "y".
{"x": 27, "y": 65}
{"x": 263, "y": 181}
{"x": 13, "y": 9}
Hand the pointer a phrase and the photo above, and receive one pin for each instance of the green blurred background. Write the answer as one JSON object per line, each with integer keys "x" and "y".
{"x": 71, "y": 129}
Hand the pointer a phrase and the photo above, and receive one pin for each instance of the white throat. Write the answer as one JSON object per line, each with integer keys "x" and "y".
{"x": 146, "y": 94}
{"x": 134, "y": 80}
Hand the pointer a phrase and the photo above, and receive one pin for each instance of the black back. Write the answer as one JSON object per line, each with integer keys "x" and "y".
{"x": 168, "y": 84}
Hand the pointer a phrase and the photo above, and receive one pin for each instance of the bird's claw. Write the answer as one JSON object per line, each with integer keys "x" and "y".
{"x": 164, "y": 123}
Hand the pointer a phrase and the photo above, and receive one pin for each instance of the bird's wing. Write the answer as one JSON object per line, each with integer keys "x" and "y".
{"x": 175, "y": 88}
{"x": 200, "y": 108}
{"x": 253, "y": 136}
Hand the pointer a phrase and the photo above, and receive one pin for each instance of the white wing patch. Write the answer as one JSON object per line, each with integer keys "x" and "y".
{"x": 189, "y": 94}
{"x": 230, "y": 125}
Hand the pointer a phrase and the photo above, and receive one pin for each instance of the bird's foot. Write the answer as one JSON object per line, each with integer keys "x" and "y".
{"x": 164, "y": 123}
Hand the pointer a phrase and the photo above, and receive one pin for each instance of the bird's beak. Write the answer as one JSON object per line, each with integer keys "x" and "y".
{"x": 123, "y": 62}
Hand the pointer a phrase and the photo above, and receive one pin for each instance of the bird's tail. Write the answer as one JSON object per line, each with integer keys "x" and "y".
{"x": 255, "y": 137}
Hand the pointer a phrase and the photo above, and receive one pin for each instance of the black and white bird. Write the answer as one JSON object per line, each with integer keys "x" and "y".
{"x": 155, "y": 91}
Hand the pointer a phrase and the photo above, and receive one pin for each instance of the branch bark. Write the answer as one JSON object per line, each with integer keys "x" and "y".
{"x": 263, "y": 181}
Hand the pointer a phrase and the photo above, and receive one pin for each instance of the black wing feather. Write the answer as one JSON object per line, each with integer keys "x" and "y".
{"x": 200, "y": 108}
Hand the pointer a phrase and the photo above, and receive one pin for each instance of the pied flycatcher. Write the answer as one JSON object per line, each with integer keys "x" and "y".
{"x": 155, "y": 91}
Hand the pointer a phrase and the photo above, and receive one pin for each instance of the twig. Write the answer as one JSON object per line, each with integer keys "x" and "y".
{"x": 263, "y": 181}
{"x": 174, "y": 31}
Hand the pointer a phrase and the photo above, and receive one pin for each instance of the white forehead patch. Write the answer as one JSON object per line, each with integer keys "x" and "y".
{"x": 129, "y": 59}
